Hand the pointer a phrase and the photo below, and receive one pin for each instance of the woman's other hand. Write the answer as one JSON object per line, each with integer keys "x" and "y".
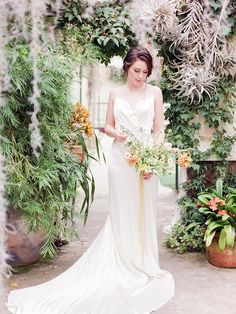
{"x": 120, "y": 137}
{"x": 147, "y": 175}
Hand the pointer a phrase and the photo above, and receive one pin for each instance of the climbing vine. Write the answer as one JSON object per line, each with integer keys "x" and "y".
{"x": 193, "y": 92}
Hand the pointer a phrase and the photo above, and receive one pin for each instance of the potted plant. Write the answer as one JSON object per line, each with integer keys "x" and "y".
{"x": 220, "y": 209}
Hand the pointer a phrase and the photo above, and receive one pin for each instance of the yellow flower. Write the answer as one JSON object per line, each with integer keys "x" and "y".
{"x": 143, "y": 167}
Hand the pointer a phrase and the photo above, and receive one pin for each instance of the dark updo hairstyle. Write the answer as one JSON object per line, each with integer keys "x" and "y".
{"x": 138, "y": 53}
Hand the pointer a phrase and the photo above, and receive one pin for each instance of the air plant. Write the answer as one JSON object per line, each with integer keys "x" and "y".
{"x": 199, "y": 46}
{"x": 229, "y": 61}
{"x": 165, "y": 19}
{"x": 192, "y": 38}
{"x": 192, "y": 81}
{"x": 151, "y": 15}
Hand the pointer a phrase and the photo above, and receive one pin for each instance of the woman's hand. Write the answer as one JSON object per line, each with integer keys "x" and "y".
{"x": 147, "y": 175}
{"x": 159, "y": 138}
{"x": 120, "y": 137}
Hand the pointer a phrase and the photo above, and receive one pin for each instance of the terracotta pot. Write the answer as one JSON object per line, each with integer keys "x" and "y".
{"x": 78, "y": 151}
{"x": 23, "y": 247}
{"x": 217, "y": 257}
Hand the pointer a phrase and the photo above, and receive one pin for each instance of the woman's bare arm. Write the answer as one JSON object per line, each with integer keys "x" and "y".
{"x": 110, "y": 121}
{"x": 158, "y": 121}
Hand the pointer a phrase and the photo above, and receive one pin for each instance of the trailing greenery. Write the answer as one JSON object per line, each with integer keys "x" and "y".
{"x": 42, "y": 189}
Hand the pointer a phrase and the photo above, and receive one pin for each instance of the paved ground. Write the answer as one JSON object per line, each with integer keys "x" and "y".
{"x": 200, "y": 287}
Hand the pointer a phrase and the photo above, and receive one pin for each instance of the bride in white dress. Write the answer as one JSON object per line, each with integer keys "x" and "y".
{"x": 119, "y": 273}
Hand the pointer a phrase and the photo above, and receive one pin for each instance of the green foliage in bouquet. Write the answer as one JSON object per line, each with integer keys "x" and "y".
{"x": 42, "y": 189}
{"x": 220, "y": 211}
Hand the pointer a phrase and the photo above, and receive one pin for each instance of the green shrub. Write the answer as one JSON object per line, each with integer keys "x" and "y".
{"x": 43, "y": 189}
{"x": 185, "y": 238}
{"x": 187, "y": 234}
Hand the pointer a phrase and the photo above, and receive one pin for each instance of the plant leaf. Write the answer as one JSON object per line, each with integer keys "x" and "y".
{"x": 222, "y": 239}
{"x": 208, "y": 238}
{"x": 230, "y": 235}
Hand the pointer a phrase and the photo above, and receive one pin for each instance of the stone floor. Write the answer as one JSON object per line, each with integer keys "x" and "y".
{"x": 200, "y": 287}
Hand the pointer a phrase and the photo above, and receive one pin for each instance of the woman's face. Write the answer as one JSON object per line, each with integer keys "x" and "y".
{"x": 137, "y": 73}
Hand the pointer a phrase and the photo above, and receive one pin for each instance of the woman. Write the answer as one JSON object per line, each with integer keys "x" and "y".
{"x": 119, "y": 273}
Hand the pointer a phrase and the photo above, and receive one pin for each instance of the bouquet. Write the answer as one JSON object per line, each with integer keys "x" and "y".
{"x": 159, "y": 159}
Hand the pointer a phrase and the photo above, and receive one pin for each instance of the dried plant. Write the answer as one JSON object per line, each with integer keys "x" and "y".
{"x": 217, "y": 42}
{"x": 193, "y": 27}
{"x": 192, "y": 81}
{"x": 229, "y": 60}
{"x": 154, "y": 15}
{"x": 165, "y": 19}
{"x": 199, "y": 44}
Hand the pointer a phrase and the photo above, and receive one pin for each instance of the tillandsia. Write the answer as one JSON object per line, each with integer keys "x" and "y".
{"x": 150, "y": 15}
{"x": 165, "y": 19}
{"x": 145, "y": 155}
{"x": 195, "y": 79}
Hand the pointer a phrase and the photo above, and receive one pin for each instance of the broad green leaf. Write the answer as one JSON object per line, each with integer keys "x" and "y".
{"x": 230, "y": 235}
{"x": 116, "y": 42}
{"x": 193, "y": 224}
{"x": 208, "y": 238}
{"x": 222, "y": 239}
{"x": 231, "y": 208}
{"x": 225, "y": 217}
{"x": 213, "y": 225}
{"x": 204, "y": 198}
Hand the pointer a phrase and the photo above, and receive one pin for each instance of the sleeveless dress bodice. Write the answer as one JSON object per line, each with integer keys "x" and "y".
{"x": 135, "y": 118}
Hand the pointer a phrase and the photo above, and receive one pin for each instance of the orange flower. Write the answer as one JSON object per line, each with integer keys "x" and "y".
{"x": 184, "y": 160}
{"x": 80, "y": 120}
{"x": 222, "y": 212}
{"x": 132, "y": 159}
{"x": 89, "y": 129}
{"x": 215, "y": 203}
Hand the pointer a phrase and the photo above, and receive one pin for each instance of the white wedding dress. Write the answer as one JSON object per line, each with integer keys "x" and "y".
{"x": 119, "y": 273}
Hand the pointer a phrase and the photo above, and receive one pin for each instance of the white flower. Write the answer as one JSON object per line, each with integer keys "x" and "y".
{"x": 168, "y": 145}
